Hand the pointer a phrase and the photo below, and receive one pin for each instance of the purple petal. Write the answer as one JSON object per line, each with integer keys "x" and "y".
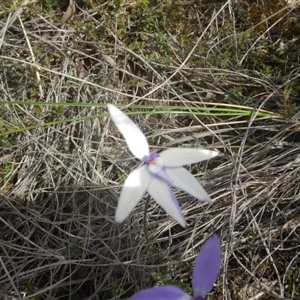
{"x": 207, "y": 267}
{"x": 177, "y": 157}
{"x": 133, "y": 189}
{"x": 135, "y": 139}
{"x": 184, "y": 180}
{"x": 166, "y": 292}
{"x": 163, "y": 195}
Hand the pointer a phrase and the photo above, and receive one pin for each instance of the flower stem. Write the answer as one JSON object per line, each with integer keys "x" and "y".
{"x": 145, "y": 218}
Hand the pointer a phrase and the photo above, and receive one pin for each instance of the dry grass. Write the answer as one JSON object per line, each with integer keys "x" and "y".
{"x": 63, "y": 167}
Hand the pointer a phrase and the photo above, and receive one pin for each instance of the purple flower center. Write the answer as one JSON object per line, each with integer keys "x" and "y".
{"x": 151, "y": 158}
{"x": 157, "y": 168}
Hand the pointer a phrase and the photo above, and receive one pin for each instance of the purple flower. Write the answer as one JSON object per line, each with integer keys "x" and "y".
{"x": 204, "y": 276}
{"x": 159, "y": 171}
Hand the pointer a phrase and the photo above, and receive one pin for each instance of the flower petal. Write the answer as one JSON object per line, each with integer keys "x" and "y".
{"x": 134, "y": 187}
{"x": 185, "y": 181}
{"x": 166, "y": 292}
{"x": 164, "y": 196}
{"x": 135, "y": 139}
{"x": 177, "y": 157}
{"x": 207, "y": 267}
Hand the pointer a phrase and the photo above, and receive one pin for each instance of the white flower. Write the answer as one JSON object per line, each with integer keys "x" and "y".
{"x": 159, "y": 172}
